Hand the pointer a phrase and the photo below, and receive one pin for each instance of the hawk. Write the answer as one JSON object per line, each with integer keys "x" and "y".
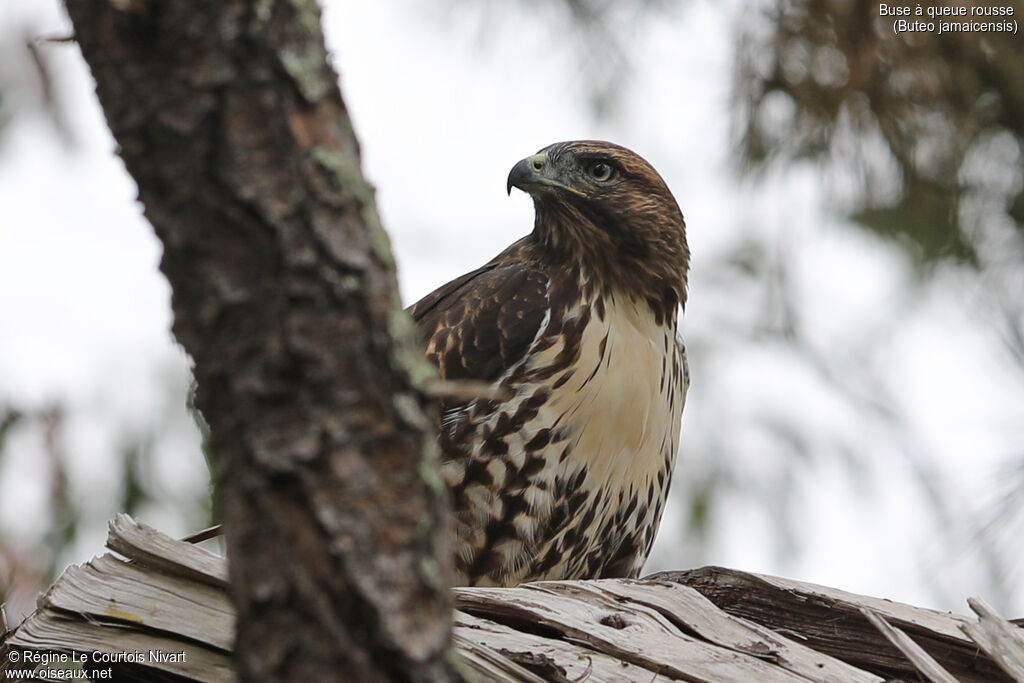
{"x": 563, "y": 472}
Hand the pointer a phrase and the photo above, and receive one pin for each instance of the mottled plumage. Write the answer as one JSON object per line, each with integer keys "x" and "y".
{"x": 575, "y": 326}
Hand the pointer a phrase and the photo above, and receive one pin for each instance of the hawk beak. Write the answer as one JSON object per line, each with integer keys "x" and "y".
{"x": 525, "y": 172}
{"x": 534, "y": 173}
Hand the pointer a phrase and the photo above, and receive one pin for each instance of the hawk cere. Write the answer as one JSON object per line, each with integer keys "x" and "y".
{"x": 565, "y": 474}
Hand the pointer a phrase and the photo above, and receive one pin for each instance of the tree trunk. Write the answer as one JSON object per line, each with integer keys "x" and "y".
{"x": 232, "y": 124}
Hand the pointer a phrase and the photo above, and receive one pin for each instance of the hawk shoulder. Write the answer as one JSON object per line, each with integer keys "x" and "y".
{"x": 480, "y": 325}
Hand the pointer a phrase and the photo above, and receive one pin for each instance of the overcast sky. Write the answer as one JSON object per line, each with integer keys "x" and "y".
{"x": 445, "y": 101}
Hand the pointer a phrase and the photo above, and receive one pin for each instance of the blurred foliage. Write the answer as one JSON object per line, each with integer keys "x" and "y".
{"x": 30, "y": 84}
{"x": 918, "y": 123}
{"x": 29, "y": 564}
{"x": 598, "y": 34}
{"x": 24, "y": 572}
{"x": 921, "y": 138}
{"x": 64, "y": 515}
{"x": 8, "y": 418}
{"x": 1001, "y": 526}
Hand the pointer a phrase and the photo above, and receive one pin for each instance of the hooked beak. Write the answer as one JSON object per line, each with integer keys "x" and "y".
{"x": 535, "y": 173}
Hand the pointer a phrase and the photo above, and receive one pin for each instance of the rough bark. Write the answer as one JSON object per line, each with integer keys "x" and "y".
{"x": 230, "y": 120}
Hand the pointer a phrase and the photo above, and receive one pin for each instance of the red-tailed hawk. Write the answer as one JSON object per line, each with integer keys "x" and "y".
{"x": 575, "y": 327}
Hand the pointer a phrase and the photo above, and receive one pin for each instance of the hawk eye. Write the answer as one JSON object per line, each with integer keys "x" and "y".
{"x": 601, "y": 171}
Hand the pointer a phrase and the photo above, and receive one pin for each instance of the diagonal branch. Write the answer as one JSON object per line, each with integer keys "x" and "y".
{"x": 232, "y": 124}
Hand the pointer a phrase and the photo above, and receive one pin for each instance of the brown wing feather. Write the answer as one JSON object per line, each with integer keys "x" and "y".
{"x": 481, "y": 324}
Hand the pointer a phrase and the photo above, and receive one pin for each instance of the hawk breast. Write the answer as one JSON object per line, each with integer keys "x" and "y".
{"x": 567, "y": 478}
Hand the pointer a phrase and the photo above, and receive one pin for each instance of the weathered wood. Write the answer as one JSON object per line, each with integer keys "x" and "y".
{"x": 562, "y": 660}
{"x": 1003, "y": 641}
{"x": 162, "y": 596}
{"x": 921, "y": 659}
{"x": 685, "y": 626}
{"x": 107, "y": 589}
{"x": 148, "y": 546}
{"x": 493, "y": 666}
{"x": 829, "y": 620}
{"x": 692, "y": 611}
{"x": 631, "y": 632}
{"x": 56, "y": 633}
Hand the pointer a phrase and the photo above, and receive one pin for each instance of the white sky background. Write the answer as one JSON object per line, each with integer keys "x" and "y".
{"x": 444, "y": 105}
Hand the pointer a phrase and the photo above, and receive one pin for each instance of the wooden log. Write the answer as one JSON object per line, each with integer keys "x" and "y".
{"x": 160, "y": 595}
{"x": 921, "y": 659}
{"x": 830, "y": 621}
{"x": 1001, "y": 640}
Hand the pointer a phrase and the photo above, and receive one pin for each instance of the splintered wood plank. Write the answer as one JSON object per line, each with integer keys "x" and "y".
{"x": 145, "y": 545}
{"x": 713, "y": 625}
{"x": 691, "y": 610}
{"x": 67, "y": 633}
{"x": 914, "y": 652}
{"x": 633, "y": 633}
{"x": 486, "y": 661}
{"x": 829, "y": 620}
{"x": 1003, "y": 641}
{"x": 107, "y": 588}
{"x": 560, "y": 660}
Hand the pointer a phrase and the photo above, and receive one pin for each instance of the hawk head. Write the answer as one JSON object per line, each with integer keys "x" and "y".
{"x": 605, "y": 212}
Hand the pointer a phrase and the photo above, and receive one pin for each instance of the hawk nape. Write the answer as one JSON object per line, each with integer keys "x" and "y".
{"x": 575, "y": 326}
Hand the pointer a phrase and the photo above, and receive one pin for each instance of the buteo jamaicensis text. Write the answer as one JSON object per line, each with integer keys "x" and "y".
{"x": 575, "y": 326}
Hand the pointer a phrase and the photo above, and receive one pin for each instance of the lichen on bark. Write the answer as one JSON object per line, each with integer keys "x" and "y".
{"x": 284, "y": 292}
